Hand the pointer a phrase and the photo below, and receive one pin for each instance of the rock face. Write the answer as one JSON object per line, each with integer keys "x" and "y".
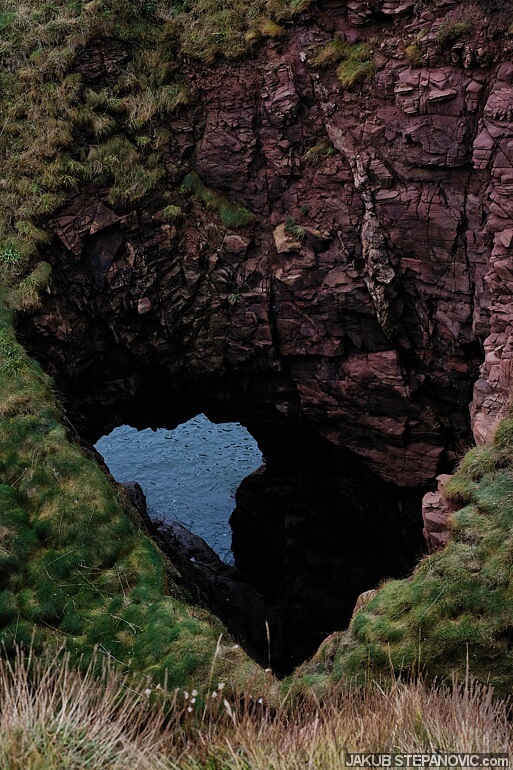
{"x": 436, "y": 511}
{"x": 493, "y": 156}
{"x": 346, "y": 322}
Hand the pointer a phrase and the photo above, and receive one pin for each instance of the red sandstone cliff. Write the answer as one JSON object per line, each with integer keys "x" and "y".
{"x": 373, "y": 324}
{"x": 363, "y": 321}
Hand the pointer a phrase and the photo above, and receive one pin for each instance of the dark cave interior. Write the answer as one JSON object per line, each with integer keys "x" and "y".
{"x": 312, "y": 528}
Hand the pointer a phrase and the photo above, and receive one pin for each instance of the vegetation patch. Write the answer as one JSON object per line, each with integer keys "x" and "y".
{"x": 323, "y": 149}
{"x": 172, "y": 213}
{"x": 455, "y": 614}
{"x": 413, "y": 54}
{"x": 353, "y": 59}
{"x": 231, "y": 214}
{"x": 208, "y": 29}
{"x": 451, "y": 32}
{"x": 352, "y": 72}
{"x": 293, "y": 229}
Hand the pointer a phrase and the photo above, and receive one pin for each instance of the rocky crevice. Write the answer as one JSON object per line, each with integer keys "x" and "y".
{"x": 358, "y": 339}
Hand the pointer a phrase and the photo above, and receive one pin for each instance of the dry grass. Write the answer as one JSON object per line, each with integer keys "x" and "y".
{"x": 404, "y": 718}
{"x": 54, "y": 718}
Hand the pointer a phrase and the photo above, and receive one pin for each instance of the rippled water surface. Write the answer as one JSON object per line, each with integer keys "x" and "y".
{"x": 189, "y": 474}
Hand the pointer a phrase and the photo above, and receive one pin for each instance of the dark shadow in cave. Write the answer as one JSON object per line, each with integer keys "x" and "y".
{"x": 312, "y": 529}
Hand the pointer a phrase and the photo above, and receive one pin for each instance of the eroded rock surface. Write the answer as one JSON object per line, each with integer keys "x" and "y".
{"x": 352, "y": 309}
{"x": 436, "y": 512}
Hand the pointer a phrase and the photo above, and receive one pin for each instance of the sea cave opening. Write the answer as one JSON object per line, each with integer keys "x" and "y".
{"x": 189, "y": 474}
{"x": 312, "y": 527}
{"x": 295, "y": 528}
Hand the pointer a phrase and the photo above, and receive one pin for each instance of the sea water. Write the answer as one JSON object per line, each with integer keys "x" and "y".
{"x": 189, "y": 474}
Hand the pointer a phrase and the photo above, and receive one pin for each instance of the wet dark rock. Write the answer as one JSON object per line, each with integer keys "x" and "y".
{"x": 228, "y": 594}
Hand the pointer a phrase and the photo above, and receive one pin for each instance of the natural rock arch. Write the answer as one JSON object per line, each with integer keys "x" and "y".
{"x": 341, "y": 317}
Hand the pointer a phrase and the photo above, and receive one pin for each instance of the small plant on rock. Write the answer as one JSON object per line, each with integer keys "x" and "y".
{"x": 449, "y": 33}
{"x": 413, "y": 54}
{"x": 231, "y": 213}
{"x": 353, "y": 59}
{"x": 351, "y": 72}
{"x": 172, "y": 213}
{"x": 317, "y": 153}
{"x": 293, "y": 229}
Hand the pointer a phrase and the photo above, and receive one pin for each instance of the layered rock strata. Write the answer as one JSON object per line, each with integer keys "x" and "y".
{"x": 349, "y": 314}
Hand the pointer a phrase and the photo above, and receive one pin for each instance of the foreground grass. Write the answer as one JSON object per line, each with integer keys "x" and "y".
{"x": 54, "y": 718}
{"x": 456, "y": 611}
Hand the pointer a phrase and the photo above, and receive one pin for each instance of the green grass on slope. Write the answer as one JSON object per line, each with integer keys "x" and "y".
{"x": 58, "y": 133}
{"x": 71, "y": 563}
{"x": 457, "y": 608}
{"x": 73, "y": 567}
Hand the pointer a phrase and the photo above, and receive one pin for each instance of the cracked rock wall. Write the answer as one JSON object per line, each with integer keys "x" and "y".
{"x": 365, "y": 319}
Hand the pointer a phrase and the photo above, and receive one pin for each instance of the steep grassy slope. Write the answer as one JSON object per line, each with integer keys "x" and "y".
{"x": 456, "y": 611}
{"x": 72, "y": 565}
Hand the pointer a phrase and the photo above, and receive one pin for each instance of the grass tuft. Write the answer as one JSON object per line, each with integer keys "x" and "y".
{"x": 450, "y": 33}
{"x": 231, "y": 214}
{"x": 172, "y": 213}
{"x": 413, "y": 54}
{"x": 351, "y": 73}
{"x": 323, "y": 149}
{"x": 353, "y": 60}
{"x": 293, "y": 229}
